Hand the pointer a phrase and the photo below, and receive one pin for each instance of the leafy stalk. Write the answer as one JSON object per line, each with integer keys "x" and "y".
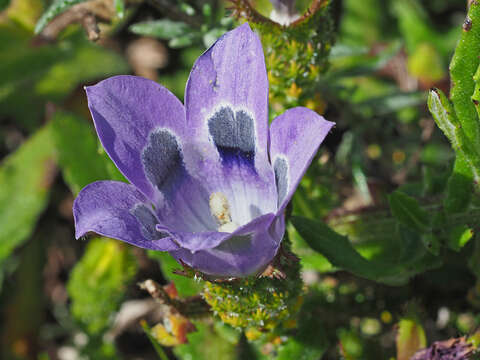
{"x": 463, "y": 67}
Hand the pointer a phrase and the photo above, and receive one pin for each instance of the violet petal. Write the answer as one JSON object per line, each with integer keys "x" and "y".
{"x": 118, "y": 210}
{"x": 295, "y": 137}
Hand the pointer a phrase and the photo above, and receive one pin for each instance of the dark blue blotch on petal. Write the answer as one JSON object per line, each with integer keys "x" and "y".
{"x": 233, "y": 133}
{"x": 162, "y": 159}
{"x": 148, "y": 222}
{"x": 280, "y": 168}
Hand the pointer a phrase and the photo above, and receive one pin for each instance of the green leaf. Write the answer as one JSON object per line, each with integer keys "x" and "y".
{"x": 463, "y": 66}
{"x": 444, "y": 115}
{"x": 98, "y": 282}
{"x": 78, "y": 154}
{"x": 309, "y": 258}
{"x": 25, "y": 180}
{"x": 185, "y": 286}
{"x": 56, "y": 8}
{"x": 458, "y": 236}
{"x": 431, "y": 243}
{"x": 336, "y": 248}
{"x": 459, "y": 187}
{"x": 467, "y": 165}
{"x": 408, "y": 212}
{"x": 340, "y": 253}
{"x": 163, "y": 29}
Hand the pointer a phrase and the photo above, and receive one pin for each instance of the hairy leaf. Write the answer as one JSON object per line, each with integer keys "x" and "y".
{"x": 464, "y": 64}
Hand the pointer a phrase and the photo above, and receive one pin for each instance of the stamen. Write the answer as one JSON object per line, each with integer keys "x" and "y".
{"x": 220, "y": 208}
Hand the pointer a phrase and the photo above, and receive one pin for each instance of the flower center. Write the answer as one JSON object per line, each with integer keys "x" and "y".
{"x": 220, "y": 209}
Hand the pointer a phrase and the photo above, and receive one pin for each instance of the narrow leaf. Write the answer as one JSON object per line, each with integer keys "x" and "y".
{"x": 443, "y": 114}
{"x": 338, "y": 250}
{"x": 340, "y": 253}
{"x": 467, "y": 154}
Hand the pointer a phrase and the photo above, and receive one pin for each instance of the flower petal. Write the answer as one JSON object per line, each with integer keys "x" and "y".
{"x": 118, "y": 210}
{"x": 295, "y": 137}
{"x": 210, "y": 239}
{"x": 182, "y": 204}
{"x": 241, "y": 255}
{"x": 248, "y": 187}
{"x": 227, "y": 93}
{"x": 126, "y": 110}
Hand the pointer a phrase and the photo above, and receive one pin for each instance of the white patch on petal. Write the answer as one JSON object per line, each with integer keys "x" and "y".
{"x": 228, "y": 227}
{"x": 220, "y": 208}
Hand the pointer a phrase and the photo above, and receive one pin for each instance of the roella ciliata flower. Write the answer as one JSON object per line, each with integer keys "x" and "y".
{"x": 210, "y": 179}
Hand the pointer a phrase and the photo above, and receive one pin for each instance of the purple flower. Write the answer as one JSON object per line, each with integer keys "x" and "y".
{"x": 209, "y": 179}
